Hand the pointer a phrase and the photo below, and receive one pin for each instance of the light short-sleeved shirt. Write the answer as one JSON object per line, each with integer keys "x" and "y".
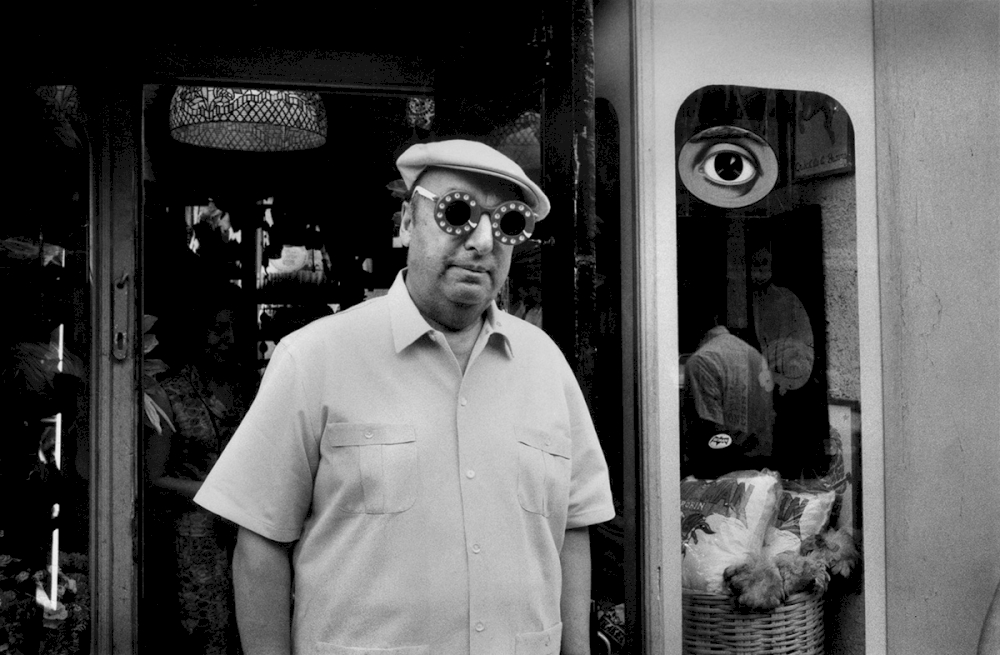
{"x": 727, "y": 382}
{"x": 429, "y": 507}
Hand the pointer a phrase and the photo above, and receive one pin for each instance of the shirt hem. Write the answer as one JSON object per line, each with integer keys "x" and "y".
{"x": 592, "y": 517}
{"x": 240, "y": 517}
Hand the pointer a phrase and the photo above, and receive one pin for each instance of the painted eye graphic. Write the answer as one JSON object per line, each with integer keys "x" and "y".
{"x": 728, "y": 166}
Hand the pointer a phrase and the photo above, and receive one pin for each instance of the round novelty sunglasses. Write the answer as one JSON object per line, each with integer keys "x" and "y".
{"x": 458, "y": 212}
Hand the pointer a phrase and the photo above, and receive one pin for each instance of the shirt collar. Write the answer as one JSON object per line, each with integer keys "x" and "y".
{"x": 408, "y": 325}
{"x": 717, "y": 331}
{"x": 495, "y": 328}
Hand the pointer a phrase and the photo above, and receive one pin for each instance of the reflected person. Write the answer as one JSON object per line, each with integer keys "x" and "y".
{"x": 726, "y": 407}
{"x": 205, "y": 395}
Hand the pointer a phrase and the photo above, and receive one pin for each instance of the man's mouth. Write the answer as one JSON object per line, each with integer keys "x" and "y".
{"x": 471, "y": 268}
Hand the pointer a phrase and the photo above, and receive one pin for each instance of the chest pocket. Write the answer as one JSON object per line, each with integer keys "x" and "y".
{"x": 544, "y": 469}
{"x": 375, "y": 465}
{"x": 539, "y": 643}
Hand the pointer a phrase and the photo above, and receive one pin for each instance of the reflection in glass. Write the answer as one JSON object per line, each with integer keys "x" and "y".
{"x": 768, "y": 335}
{"x": 240, "y": 248}
{"x": 44, "y": 450}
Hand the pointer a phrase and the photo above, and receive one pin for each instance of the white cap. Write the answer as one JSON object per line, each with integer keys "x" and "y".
{"x": 470, "y": 156}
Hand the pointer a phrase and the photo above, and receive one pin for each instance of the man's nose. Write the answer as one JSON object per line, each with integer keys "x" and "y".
{"x": 481, "y": 238}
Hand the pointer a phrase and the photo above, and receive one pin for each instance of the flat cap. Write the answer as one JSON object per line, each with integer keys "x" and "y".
{"x": 470, "y": 156}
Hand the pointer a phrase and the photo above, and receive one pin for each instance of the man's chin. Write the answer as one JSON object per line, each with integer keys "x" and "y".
{"x": 470, "y": 295}
{"x": 472, "y": 290}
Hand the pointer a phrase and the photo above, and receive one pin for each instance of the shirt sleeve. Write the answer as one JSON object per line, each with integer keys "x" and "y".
{"x": 703, "y": 388}
{"x": 263, "y": 480}
{"x": 590, "y": 499}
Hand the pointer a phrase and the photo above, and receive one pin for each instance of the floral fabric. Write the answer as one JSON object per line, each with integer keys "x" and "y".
{"x": 204, "y": 424}
{"x": 202, "y": 541}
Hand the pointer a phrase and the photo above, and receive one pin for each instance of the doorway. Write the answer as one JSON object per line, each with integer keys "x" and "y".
{"x": 341, "y": 188}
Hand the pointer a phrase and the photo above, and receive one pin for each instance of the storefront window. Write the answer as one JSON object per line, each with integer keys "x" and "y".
{"x": 769, "y": 367}
{"x": 45, "y": 600}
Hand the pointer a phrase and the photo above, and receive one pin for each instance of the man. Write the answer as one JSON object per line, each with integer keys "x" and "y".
{"x": 726, "y": 407}
{"x": 782, "y": 327}
{"x": 421, "y": 469}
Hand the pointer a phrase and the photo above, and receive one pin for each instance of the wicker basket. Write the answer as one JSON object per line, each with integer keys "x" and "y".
{"x": 713, "y": 626}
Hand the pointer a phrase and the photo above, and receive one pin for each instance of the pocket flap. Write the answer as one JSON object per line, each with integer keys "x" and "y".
{"x": 369, "y": 434}
{"x": 554, "y": 444}
{"x": 332, "y": 649}
{"x": 547, "y": 642}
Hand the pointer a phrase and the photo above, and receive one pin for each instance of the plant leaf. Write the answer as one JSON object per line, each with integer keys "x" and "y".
{"x": 154, "y": 367}
{"x": 148, "y": 320}
{"x": 154, "y": 412}
{"x": 152, "y": 415}
{"x": 398, "y": 188}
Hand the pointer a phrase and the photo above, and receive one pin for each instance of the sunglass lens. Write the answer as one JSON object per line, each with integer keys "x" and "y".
{"x": 458, "y": 213}
{"x": 512, "y": 223}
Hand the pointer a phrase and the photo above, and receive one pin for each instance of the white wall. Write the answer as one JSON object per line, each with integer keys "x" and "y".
{"x": 680, "y": 46}
{"x": 938, "y": 126}
{"x": 920, "y": 81}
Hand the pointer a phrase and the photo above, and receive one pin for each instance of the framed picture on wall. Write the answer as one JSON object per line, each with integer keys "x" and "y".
{"x": 823, "y": 140}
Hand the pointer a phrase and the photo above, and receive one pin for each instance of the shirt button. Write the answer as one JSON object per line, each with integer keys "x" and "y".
{"x": 470, "y": 474}
{"x": 480, "y": 627}
{"x": 476, "y": 548}
{"x": 369, "y": 434}
{"x": 463, "y": 401}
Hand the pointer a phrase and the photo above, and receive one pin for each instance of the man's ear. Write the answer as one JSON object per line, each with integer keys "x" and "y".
{"x": 406, "y": 223}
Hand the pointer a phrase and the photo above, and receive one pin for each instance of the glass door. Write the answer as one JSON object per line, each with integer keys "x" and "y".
{"x": 243, "y": 243}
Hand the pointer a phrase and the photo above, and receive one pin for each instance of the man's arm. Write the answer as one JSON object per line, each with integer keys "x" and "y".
{"x": 262, "y": 580}
{"x": 575, "y": 606}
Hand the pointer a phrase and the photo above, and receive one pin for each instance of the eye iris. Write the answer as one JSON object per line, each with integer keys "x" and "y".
{"x": 457, "y": 213}
{"x": 728, "y": 166}
{"x": 512, "y": 223}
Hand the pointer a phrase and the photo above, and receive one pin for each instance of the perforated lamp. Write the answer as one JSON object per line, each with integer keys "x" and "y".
{"x": 255, "y": 120}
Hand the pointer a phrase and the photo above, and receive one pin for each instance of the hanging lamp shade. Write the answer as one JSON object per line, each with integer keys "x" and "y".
{"x": 256, "y": 120}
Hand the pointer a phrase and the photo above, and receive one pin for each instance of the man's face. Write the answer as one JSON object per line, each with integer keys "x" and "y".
{"x": 760, "y": 267}
{"x": 452, "y": 279}
{"x": 219, "y": 338}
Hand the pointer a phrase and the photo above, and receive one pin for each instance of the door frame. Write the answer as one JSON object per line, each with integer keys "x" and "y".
{"x": 116, "y": 354}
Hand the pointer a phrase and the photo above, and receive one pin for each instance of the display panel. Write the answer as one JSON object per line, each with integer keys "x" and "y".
{"x": 769, "y": 368}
